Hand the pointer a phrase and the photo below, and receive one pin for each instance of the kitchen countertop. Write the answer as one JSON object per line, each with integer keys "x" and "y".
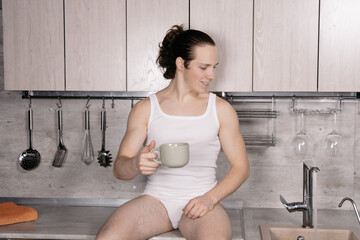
{"x": 83, "y": 222}
{"x": 57, "y": 221}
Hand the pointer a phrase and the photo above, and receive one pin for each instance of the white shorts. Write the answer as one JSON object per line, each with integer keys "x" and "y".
{"x": 174, "y": 202}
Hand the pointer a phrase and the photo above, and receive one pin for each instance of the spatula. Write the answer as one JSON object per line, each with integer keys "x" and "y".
{"x": 61, "y": 152}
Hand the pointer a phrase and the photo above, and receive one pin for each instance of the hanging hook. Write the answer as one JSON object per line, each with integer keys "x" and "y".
{"x": 112, "y": 102}
{"x": 59, "y": 104}
{"x": 132, "y": 102}
{"x": 341, "y": 104}
{"x": 292, "y": 104}
{"x": 30, "y": 104}
{"x": 103, "y": 105}
{"x": 87, "y": 105}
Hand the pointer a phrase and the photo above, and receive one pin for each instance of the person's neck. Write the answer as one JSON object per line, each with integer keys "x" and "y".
{"x": 178, "y": 90}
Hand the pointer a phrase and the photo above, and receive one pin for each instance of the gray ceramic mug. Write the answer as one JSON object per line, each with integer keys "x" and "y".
{"x": 172, "y": 155}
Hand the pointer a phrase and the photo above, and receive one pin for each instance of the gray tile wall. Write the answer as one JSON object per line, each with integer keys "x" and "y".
{"x": 274, "y": 170}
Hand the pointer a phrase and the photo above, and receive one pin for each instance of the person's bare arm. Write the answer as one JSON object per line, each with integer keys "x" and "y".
{"x": 130, "y": 161}
{"x": 234, "y": 148}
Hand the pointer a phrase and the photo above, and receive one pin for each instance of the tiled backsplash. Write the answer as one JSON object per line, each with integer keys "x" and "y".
{"x": 274, "y": 170}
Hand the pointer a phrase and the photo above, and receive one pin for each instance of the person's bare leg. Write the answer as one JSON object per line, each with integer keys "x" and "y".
{"x": 140, "y": 218}
{"x": 215, "y": 225}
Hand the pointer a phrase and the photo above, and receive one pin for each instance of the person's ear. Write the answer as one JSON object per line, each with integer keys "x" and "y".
{"x": 180, "y": 63}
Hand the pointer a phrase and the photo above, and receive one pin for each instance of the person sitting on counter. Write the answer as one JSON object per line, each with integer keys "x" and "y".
{"x": 187, "y": 198}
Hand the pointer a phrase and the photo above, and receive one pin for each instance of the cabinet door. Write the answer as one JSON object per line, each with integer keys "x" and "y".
{"x": 95, "y": 35}
{"x": 230, "y": 24}
{"x": 339, "y": 46}
{"x": 285, "y": 45}
{"x": 33, "y": 44}
{"x": 148, "y": 22}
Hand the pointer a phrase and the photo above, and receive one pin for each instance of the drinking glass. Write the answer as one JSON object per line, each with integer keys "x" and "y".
{"x": 301, "y": 141}
{"x": 334, "y": 141}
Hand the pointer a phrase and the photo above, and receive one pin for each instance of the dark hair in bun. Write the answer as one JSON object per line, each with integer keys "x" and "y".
{"x": 180, "y": 43}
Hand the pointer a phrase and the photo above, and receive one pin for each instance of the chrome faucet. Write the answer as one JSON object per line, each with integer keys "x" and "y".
{"x": 354, "y": 205}
{"x": 306, "y": 206}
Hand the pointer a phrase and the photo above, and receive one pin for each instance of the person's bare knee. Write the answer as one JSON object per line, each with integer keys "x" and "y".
{"x": 213, "y": 226}
{"x": 220, "y": 233}
{"x": 204, "y": 232}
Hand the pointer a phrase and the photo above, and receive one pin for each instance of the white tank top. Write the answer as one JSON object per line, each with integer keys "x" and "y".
{"x": 201, "y": 132}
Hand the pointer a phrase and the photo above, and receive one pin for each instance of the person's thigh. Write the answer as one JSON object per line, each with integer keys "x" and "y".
{"x": 140, "y": 218}
{"x": 214, "y": 225}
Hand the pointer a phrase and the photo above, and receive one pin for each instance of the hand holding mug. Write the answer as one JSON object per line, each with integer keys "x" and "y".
{"x": 144, "y": 162}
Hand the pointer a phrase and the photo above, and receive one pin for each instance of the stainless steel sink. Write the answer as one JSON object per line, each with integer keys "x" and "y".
{"x": 290, "y": 232}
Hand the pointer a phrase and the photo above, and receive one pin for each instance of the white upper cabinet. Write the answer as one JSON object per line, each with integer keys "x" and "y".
{"x": 285, "y": 45}
{"x": 230, "y": 24}
{"x": 339, "y": 53}
{"x": 33, "y": 44}
{"x": 112, "y": 45}
{"x": 147, "y": 23}
{"x": 95, "y": 40}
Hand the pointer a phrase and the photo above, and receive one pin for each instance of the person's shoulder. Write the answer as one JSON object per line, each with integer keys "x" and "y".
{"x": 141, "y": 108}
{"x": 222, "y": 104}
{"x": 224, "y": 109}
{"x": 142, "y": 104}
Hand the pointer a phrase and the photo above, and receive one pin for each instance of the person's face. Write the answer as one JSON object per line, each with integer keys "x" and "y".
{"x": 200, "y": 71}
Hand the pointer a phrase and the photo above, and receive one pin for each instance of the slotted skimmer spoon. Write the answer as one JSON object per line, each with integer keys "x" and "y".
{"x": 61, "y": 152}
{"x": 104, "y": 157}
{"x": 30, "y": 158}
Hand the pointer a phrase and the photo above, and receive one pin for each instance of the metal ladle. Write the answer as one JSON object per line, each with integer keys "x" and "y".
{"x": 30, "y": 158}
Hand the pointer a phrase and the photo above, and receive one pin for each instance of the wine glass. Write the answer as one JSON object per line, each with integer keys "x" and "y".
{"x": 333, "y": 142}
{"x": 301, "y": 141}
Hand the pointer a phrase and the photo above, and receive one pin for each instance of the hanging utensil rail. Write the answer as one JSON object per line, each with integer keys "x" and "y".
{"x": 229, "y": 96}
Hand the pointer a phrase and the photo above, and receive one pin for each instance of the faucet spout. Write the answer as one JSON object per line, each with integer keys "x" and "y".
{"x": 354, "y": 205}
{"x": 294, "y": 206}
{"x": 306, "y": 206}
